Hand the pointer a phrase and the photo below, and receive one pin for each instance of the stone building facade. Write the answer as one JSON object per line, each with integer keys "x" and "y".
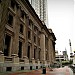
{"x": 25, "y": 43}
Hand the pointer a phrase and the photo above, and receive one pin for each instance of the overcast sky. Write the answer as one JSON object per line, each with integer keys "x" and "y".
{"x": 61, "y": 20}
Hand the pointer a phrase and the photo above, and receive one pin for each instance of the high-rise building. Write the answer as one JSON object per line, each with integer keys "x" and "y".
{"x": 40, "y": 7}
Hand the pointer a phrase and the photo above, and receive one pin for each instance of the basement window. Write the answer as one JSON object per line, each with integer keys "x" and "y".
{"x": 31, "y": 67}
{"x": 36, "y": 67}
{"x": 8, "y": 68}
{"x": 22, "y": 68}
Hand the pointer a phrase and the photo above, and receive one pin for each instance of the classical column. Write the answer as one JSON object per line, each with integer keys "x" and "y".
{"x": 52, "y": 55}
{"x": 10, "y": 49}
{"x": 26, "y": 35}
{"x": 42, "y": 45}
{"x": 54, "y": 49}
{"x": 32, "y": 41}
{"x": 16, "y": 35}
{"x": 0, "y": 11}
{"x": 25, "y": 43}
{"x": 50, "y": 50}
{"x": 3, "y": 20}
{"x": 37, "y": 53}
{"x": 15, "y": 45}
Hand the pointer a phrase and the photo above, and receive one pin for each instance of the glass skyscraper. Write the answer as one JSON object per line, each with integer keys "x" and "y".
{"x": 40, "y": 7}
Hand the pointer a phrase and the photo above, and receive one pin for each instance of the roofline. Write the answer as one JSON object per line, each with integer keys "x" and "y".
{"x": 32, "y": 11}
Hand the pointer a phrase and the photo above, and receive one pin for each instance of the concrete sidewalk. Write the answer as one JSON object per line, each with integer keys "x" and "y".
{"x": 27, "y": 72}
{"x": 56, "y": 71}
{"x": 34, "y": 72}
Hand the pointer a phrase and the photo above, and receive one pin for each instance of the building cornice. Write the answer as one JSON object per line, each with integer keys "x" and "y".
{"x": 32, "y": 11}
{"x": 48, "y": 32}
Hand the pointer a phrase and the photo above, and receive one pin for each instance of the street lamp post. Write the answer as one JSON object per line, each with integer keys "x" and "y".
{"x": 60, "y": 60}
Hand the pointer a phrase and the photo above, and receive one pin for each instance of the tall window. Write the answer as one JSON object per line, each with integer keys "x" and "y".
{"x": 21, "y": 28}
{"x": 7, "y": 45}
{"x": 22, "y": 14}
{"x": 0, "y": 1}
{"x": 30, "y": 23}
{"x": 35, "y": 28}
{"x": 12, "y": 4}
{"x": 39, "y": 55}
{"x": 20, "y": 50}
{"x": 28, "y": 52}
{"x": 10, "y": 19}
{"x": 34, "y": 39}
{"x": 29, "y": 35}
{"x": 34, "y": 53}
{"x": 39, "y": 41}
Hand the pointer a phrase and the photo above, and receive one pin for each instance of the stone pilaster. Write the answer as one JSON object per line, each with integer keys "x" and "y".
{"x": 16, "y": 35}
{"x": 1, "y": 57}
{"x": 0, "y": 10}
{"x": 32, "y": 48}
{"x": 26, "y": 60}
{"x": 33, "y": 61}
{"x": 15, "y": 59}
{"x": 38, "y": 62}
{"x": 42, "y": 45}
{"x": 37, "y": 53}
{"x": 10, "y": 49}
{"x": 26, "y": 35}
{"x": 52, "y": 53}
{"x": 3, "y": 20}
{"x": 49, "y": 49}
{"x": 25, "y": 44}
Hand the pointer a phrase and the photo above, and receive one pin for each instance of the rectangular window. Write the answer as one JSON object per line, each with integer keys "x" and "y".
{"x": 39, "y": 41}
{"x": 12, "y": 4}
{"x": 20, "y": 50}
{"x": 29, "y": 21}
{"x": 34, "y": 53}
{"x": 35, "y": 28}
{"x": 28, "y": 52}
{"x": 10, "y": 19}
{"x": 7, "y": 45}
{"x": 29, "y": 35}
{"x": 34, "y": 39}
{"x": 21, "y": 28}
{"x": 0, "y": 1}
{"x": 22, "y": 14}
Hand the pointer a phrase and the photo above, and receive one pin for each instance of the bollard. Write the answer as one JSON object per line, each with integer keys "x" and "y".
{"x": 44, "y": 70}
